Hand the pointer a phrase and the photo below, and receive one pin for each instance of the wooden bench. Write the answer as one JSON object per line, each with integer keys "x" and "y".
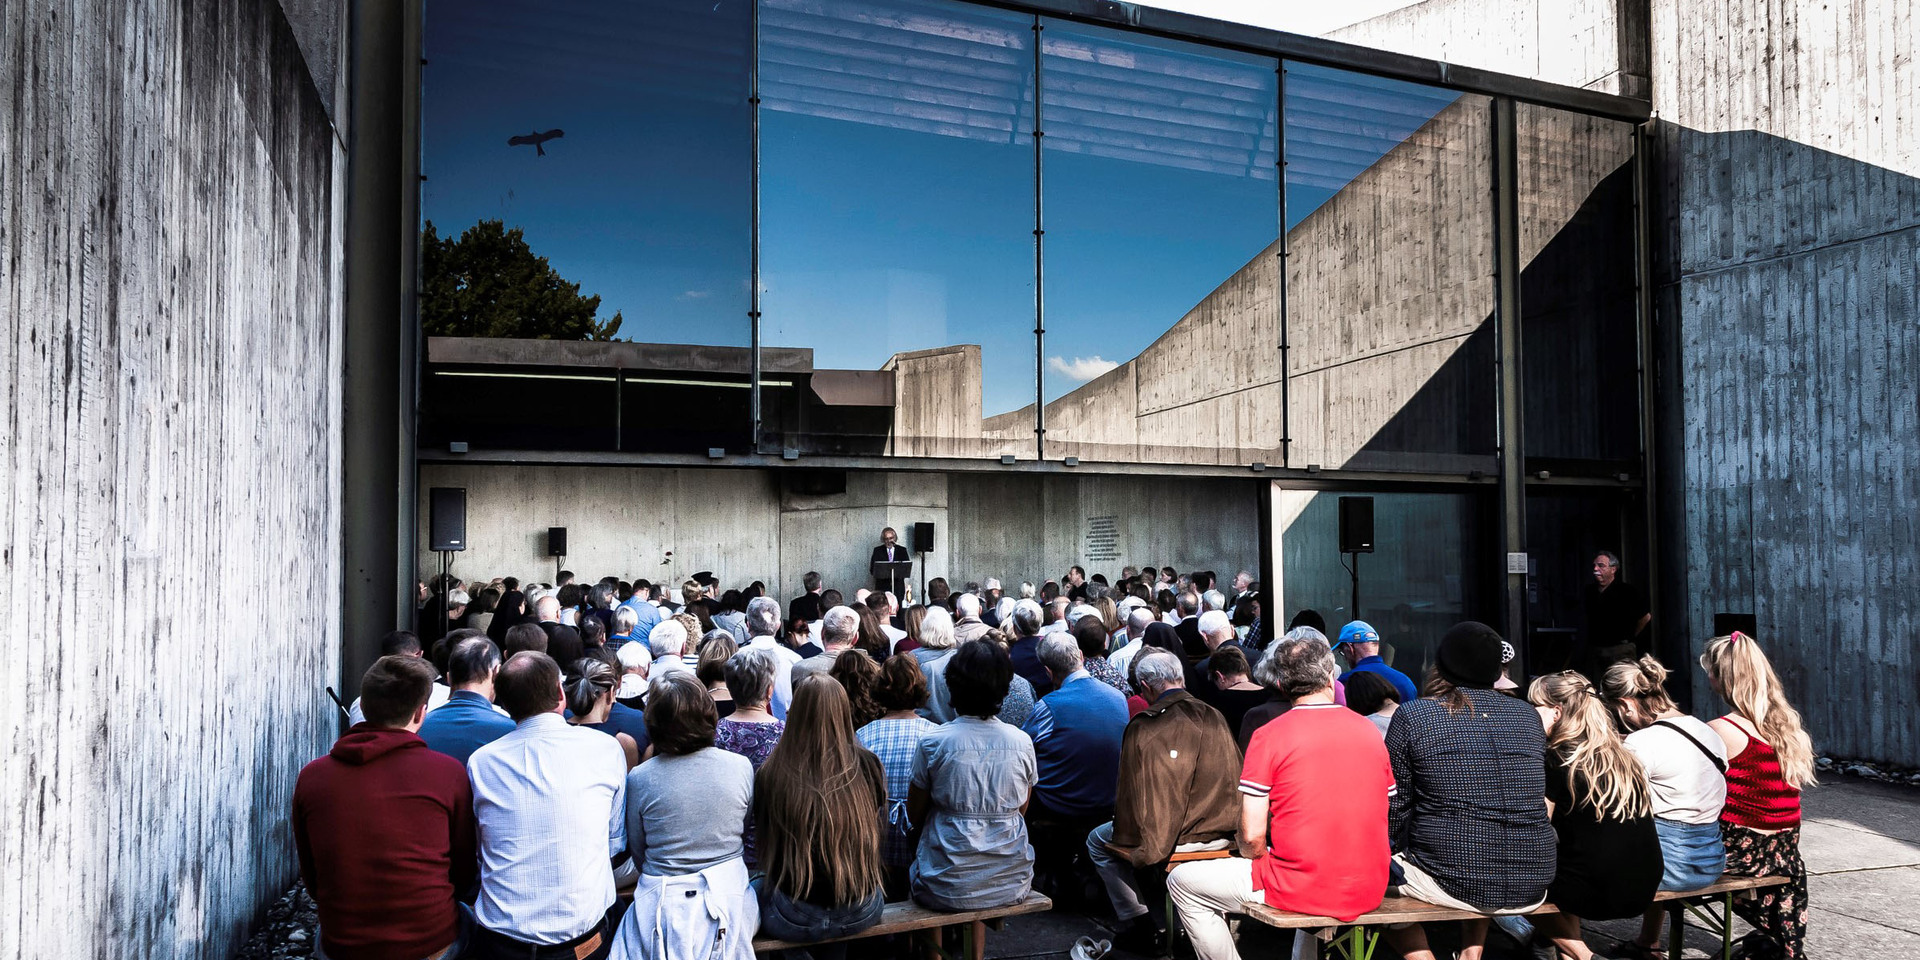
{"x": 911, "y": 918}
{"x": 1357, "y": 940}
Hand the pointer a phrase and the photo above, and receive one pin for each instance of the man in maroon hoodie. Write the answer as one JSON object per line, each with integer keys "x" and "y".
{"x": 384, "y": 828}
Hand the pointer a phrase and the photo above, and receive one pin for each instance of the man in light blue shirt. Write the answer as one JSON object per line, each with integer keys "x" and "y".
{"x": 1360, "y": 644}
{"x": 543, "y": 797}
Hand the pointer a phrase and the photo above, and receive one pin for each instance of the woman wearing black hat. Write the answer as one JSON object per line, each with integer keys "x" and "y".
{"x": 1468, "y": 819}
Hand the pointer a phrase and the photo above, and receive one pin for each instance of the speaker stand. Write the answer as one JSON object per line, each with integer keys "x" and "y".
{"x": 1353, "y": 602}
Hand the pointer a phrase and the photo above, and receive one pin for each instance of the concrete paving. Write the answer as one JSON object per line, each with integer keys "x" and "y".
{"x": 1861, "y": 841}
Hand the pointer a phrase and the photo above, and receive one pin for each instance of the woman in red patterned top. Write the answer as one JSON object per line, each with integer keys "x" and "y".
{"x": 1770, "y": 759}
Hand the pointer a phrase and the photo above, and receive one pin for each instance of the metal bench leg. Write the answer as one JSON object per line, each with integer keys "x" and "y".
{"x": 1726, "y": 926}
{"x": 1676, "y": 930}
{"x": 1355, "y": 943}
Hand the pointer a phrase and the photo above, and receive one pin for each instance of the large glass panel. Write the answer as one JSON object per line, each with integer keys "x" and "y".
{"x": 1434, "y": 564}
{"x": 1577, "y": 296}
{"x": 1566, "y": 530}
{"x": 1390, "y": 285}
{"x": 897, "y": 226}
{"x": 589, "y": 177}
{"x": 1162, "y": 208}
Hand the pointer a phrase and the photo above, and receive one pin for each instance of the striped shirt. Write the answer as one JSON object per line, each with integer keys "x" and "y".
{"x": 1758, "y": 794}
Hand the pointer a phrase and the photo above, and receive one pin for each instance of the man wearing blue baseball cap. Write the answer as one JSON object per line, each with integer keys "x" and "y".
{"x": 1360, "y": 644}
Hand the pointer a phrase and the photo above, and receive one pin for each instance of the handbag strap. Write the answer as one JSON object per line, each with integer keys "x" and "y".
{"x": 1718, "y": 764}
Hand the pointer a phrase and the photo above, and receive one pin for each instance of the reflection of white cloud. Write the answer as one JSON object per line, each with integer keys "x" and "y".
{"x": 696, "y": 295}
{"x": 1080, "y": 368}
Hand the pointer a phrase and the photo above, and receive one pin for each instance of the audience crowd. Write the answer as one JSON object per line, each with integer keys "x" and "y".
{"x": 637, "y": 771}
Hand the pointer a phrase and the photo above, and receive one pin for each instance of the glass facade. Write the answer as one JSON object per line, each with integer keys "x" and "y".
{"x": 1577, "y": 291}
{"x": 1390, "y": 274}
{"x": 1161, "y": 212}
{"x": 1417, "y": 582}
{"x": 896, "y": 181}
{"x": 1205, "y": 258}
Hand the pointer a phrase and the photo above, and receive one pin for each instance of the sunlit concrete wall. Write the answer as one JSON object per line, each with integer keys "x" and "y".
{"x": 1597, "y": 44}
{"x": 170, "y": 223}
{"x": 744, "y": 525}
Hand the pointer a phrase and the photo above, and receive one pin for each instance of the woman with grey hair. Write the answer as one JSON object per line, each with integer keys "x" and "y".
{"x": 1267, "y": 673}
{"x": 936, "y": 636}
{"x": 751, "y": 730}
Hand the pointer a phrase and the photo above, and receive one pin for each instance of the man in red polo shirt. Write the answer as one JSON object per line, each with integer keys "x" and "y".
{"x": 385, "y": 831}
{"x": 1313, "y": 818}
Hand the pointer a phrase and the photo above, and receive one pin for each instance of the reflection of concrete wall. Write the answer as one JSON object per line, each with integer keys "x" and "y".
{"x": 171, "y": 241}
{"x": 1388, "y": 280}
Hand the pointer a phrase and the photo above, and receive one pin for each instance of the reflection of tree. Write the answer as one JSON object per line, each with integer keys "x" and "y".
{"x": 488, "y": 283}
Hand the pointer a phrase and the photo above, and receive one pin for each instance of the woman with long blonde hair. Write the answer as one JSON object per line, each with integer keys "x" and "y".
{"x": 1608, "y": 863}
{"x": 1770, "y": 759}
{"x": 1686, "y": 767}
{"x": 817, "y": 805}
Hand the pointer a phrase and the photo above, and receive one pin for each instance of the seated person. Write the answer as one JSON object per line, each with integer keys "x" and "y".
{"x": 1234, "y": 693}
{"x": 895, "y": 739}
{"x": 1179, "y": 770}
{"x": 468, "y": 720}
{"x": 1076, "y": 733}
{"x": 1360, "y": 644}
{"x": 685, "y": 816}
{"x": 1609, "y": 854}
{"x": 1686, "y": 764}
{"x": 1313, "y": 815}
{"x": 384, "y": 828}
{"x": 971, "y": 782}
{"x": 590, "y": 688}
{"x": 817, "y": 805}
{"x": 1468, "y": 826}
{"x": 1372, "y": 696}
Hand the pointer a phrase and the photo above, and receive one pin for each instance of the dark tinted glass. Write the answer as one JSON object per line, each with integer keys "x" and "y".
{"x": 1577, "y": 296}
{"x": 585, "y": 150}
{"x": 1390, "y": 286}
{"x": 1435, "y": 563}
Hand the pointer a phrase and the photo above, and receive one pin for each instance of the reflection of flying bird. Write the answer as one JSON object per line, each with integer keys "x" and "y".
{"x": 535, "y": 139}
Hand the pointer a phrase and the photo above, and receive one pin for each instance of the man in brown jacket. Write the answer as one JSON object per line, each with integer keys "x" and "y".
{"x": 1178, "y": 793}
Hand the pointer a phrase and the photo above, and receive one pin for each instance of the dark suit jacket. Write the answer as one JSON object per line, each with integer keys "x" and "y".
{"x": 804, "y": 607}
{"x": 563, "y": 643}
{"x": 900, "y": 554}
{"x": 1188, "y": 631}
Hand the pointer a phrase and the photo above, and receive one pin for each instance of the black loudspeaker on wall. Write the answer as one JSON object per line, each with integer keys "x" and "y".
{"x": 556, "y": 541}
{"x": 447, "y": 519}
{"x": 1356, "y": 524}
{"x": 923, "y": 537}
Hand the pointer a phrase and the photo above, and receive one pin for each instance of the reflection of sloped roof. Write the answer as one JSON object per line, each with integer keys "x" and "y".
{"x": 617, "y": 354}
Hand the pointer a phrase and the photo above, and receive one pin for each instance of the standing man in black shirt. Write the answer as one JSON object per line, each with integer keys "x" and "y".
{"x": 1617, "y": 616}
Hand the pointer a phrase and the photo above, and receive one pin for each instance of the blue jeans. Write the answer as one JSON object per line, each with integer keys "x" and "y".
{"x": 785, "y": 918}
{"x": 1693, "y": 854}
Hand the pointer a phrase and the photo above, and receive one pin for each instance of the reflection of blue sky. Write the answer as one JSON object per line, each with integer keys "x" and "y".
{"x": 896, "y": 182}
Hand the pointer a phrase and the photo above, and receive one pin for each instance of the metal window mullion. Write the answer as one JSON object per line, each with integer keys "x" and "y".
{"x": 1286, "y": 356}
{"x": 753, "y": 296}
{"x": 1506, "y": 256}
{"x": 1039, "y": 272}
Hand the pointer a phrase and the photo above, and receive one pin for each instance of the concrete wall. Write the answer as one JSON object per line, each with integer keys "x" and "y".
{"x": 1790, "y": 144}
{"x": 1787, "y": 324}
{"x": 1598, "y": 44}
{"x": 170, "y": 241}
{"x": 748, "y": 525}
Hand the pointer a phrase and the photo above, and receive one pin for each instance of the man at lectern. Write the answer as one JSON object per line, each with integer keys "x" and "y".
{"x": 889, "y": 552}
